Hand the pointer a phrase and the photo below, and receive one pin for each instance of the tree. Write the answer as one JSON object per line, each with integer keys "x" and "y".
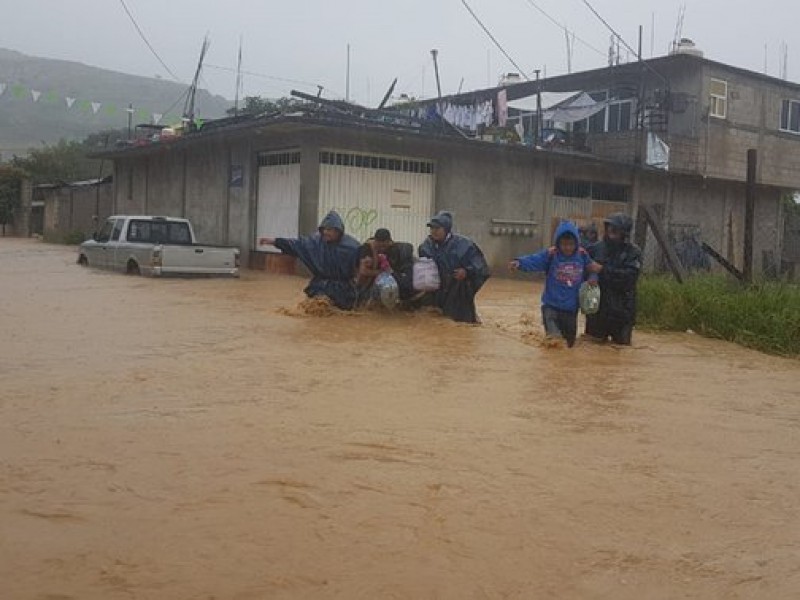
{"x": 10, "y": 193}
{"x": 256, "y": 105}
{"x": 68, "y": 161}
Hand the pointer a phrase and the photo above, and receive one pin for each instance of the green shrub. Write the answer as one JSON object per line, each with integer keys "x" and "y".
{"x": 765, "y": 316}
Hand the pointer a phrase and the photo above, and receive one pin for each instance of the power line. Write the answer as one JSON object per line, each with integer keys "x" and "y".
{"x": 610, "y": 28}
{"x": 624, "y": 43}
{"x": 564, "y": 27}
{"x": 491, "y": 37}
{"x": 265, "y": 76}
{"x": 144, "y": 39}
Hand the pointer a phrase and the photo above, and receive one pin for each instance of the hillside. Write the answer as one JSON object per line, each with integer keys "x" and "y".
{"x": 37, "y": 93}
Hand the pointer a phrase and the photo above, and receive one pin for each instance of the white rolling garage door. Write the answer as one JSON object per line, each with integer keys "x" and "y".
{"x": 278, "y": 207}
{"x": 371, "y": 191}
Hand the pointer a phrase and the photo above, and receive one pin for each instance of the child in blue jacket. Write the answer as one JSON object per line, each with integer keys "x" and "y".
{"x": 567, "y": 266}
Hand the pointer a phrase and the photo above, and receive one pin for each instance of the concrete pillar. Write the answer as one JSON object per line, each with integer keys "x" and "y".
{"x": 23, "y": 229}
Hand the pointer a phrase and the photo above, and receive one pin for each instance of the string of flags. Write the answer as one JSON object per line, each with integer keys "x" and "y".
{"x": 21, "y": 92}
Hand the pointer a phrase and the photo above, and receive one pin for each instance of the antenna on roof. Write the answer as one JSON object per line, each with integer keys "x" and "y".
{"x": 784, "y": 61}
{"x": 188, "y": 109}
{"x": 676, "y": 40}
{"x": 435, "y": 55}
{"x": 388, "y": 94}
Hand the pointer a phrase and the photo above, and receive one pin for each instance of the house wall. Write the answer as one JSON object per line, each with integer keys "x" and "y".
{"x": 714, "y": 210}
{"x": 69, "y": 211}
{"x": 478, "y": 182}
{"x": 753, "y": 121}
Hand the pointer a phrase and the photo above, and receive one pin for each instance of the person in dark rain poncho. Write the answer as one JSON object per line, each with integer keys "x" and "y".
{"x": 621, "y": 262}
{"x": 462, "y": 268}
{"x": 331, "y": 255}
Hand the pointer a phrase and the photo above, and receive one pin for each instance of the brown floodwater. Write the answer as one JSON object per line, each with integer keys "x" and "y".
{"x": 203, "y": 439}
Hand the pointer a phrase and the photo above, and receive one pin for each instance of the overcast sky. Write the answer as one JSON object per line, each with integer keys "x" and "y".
{"x": 306, "y": 40}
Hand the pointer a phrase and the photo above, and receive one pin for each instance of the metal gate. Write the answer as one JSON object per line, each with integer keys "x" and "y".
{"x": 371, "y": 191}
{"x": 278, "y": 206}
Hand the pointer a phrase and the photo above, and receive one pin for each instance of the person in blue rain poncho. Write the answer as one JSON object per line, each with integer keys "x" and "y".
{"x": 567, "y": 266}
{"x": 462, "y": 268}
{"x": 332, "y": 257}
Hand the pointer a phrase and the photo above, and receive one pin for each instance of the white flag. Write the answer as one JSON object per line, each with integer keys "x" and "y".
{"x": 69, "y": 101}
{"x": 130, "y": 110}
{"x": 35, "y": 94}
{"x": 95, "y": 107}
{"x": 2, "y": 88}
{"x": 156, "y": 118}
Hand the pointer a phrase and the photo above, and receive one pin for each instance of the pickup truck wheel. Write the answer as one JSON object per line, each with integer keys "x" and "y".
{"x": 133, "y": 268}
{"x": 83, "y": 261}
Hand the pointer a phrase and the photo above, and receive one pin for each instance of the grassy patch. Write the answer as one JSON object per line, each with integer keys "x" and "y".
{"x": 765, "y": 316}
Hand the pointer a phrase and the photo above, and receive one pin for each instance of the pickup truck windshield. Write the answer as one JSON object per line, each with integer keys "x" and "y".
{"x": 159, "y": 232}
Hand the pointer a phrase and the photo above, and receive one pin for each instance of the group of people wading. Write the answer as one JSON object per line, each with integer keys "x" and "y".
{"x": 352, "y": 275}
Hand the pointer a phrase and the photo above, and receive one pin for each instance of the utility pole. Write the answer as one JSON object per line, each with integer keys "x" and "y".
{"x": 538, "y": 137}
{"x": 238, "y": 80}
{"x": 749, "y": 214}
{"x": 347, "y": 80}
{"x": 130, "y": 120}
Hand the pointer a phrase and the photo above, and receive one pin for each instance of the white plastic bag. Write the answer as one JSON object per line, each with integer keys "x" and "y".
{"x": 426, "y": 275}
{"x": 589, "y": 298}
{"x": 388, "y": 291}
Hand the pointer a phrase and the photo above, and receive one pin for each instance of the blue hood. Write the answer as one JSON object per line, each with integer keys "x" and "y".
{"x": 566, "y": 228}
{"x": 332, "y": 221}
{"x": 443, "y": 219}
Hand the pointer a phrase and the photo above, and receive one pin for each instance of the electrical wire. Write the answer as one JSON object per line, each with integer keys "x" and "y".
{"x": 491, "y": 37}
{"x": 624, "y": 43}
{"x": 609, "y": 27}
{"x": 564, "y": 27}
{"x": 144, "y": 39}
{"x": 265, "y": 76}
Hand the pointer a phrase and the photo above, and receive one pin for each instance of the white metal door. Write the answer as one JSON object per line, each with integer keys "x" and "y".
{"x": 371, "y": 191}
{"x": 278, "y": 207}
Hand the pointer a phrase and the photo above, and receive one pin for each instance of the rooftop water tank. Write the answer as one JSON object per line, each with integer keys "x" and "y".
{"x": 687, "y": 46}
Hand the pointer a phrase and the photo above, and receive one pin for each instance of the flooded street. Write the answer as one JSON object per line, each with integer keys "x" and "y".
{"x": 183, "y": 439}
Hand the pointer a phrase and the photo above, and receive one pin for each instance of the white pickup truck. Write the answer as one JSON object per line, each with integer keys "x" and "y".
{"x": 155, "y": 246}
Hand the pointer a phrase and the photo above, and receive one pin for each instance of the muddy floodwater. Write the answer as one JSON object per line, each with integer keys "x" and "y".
{"x": 199, "y": 440}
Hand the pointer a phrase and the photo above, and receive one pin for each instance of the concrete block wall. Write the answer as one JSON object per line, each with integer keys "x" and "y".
{"x": 69, "y": 211}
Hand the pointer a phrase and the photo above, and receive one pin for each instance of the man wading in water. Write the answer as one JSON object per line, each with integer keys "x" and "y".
{"x": 462, "y": 268}
{"x": 332, "y": 257}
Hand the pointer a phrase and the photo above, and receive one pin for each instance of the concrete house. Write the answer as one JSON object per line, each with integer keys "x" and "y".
{"x": 240, "y": 179}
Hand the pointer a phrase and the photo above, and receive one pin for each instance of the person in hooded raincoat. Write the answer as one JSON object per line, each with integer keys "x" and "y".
{"x": 462, "y": 268}
{"x": 567, "y": 265}
{"x": 332, "y": 257}
{"x": 621, "y": 262}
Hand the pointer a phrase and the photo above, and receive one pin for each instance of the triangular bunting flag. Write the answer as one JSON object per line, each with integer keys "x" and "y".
{"x": 51, "y": 97}
{"x": 142, "y": 114}
{"x": 156, "y": 118}
{"x": 199, "y": 123}
{"x": 35, "y": 94}
{"x": 96, "y": 106}
{"x": 18, "y": 91}
{"x": 85, "y": 105}
{"x": 69, "y": 101}
{"x": 111, "y": 110}
{"x": 2, "y": 88}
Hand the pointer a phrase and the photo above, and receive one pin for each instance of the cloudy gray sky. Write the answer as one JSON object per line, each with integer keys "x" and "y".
{"x": 306, "y": 40}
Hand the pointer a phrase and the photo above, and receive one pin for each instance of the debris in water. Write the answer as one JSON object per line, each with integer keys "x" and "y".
{"x": 318, "y": 306}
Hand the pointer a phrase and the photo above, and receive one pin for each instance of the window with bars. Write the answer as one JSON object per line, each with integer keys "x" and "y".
{"x": 274, "y": 159}
{"x": 790, "y": 116}
{"x": 370, "y": 161}
{"x": 718, "y": 99}
{"x": 594, "y": 190}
